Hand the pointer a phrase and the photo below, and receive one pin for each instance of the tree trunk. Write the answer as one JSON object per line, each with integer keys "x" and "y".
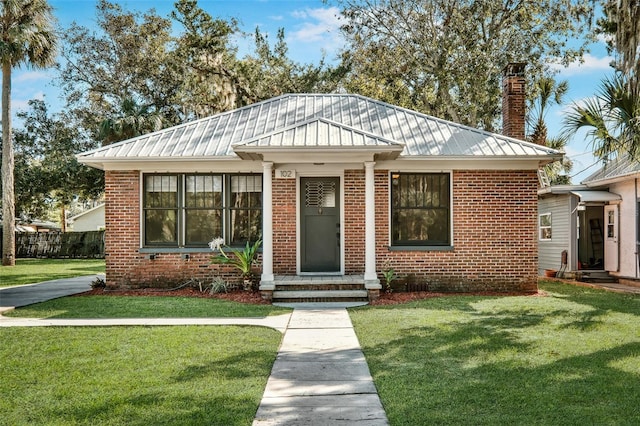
{"x": 8, "y": 197}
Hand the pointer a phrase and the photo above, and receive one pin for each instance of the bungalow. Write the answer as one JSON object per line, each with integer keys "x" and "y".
{"x": 595, "y": 224}
{"x": 337, "y": 186}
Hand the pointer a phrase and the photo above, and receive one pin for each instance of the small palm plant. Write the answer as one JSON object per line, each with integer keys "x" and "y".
{"x": 242, "y": 260}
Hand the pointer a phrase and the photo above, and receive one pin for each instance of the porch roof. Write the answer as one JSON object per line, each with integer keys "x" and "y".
{"x": 596, "y": 196}
{"x": 310, "y": 121}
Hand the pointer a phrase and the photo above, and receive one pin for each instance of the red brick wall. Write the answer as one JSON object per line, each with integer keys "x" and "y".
{"x": 494, "y": 239}
{"x": 125, "y": 265}
{"x": 284, "y": 226}
{"x": 494, "y": 220}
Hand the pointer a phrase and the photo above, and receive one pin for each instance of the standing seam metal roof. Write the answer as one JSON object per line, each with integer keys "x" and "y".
{"x": 420, "y": 134}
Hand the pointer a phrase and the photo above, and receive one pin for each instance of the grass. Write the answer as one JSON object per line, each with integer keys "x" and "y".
{"x": 28, "y": 271}
{"x": 570, "y": 358}
{"x": 134, "y": 375}
{"x": 143, "y": 307}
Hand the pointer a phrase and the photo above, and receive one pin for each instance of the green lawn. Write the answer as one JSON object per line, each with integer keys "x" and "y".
{"x": 28, "y": 271}
{"x": 570, "y": 358}
{"x": 143, "y": 307}
{"x": 192, "y": 375}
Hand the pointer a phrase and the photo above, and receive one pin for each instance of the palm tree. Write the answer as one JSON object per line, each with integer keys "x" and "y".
{"x": 548, "y": 93}
{"x": 612, "y": 118}
{"x": 27, "y": 37}
{"x": 135, "y": 120}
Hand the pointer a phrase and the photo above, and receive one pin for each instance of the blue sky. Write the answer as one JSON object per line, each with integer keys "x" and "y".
{"x": 311, "y": 29}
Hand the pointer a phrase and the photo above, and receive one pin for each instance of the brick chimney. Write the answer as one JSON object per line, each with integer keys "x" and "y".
{"x": 513, "y": 100}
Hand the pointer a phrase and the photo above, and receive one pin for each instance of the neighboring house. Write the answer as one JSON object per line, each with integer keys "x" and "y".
{"x": 596, "y": 223}
{"x": 336, "y": 185}
{"x": 88, "y": 220}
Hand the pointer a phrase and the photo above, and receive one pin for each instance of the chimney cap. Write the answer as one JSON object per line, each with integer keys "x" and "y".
{"x": 514, "y": 69}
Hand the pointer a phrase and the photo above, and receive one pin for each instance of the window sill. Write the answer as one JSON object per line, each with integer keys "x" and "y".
{"x": 420, "y": 248}
{"x": 165, "y": 249}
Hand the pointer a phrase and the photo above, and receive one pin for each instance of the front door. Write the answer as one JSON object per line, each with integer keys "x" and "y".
{"x": 611, "y": 238}
{"x": 319, "y": 224}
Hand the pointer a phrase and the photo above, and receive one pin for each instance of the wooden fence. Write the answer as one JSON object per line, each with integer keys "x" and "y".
{"x": 88, "y": 244}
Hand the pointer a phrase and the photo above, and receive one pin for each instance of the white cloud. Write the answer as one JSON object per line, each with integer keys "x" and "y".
{"x": 321, "y": 25}
{"x": 30, "y": 76}
{"x": 589, "y": 64}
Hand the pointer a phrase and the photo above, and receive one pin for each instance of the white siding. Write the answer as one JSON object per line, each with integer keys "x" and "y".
{"x": 627, "y": 232}
{"x": 549, "y": 252}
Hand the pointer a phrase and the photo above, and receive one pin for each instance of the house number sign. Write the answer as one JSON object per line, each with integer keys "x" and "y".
{"x": 285, "y": 174}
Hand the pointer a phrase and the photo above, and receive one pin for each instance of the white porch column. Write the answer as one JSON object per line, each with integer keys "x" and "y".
{"x": 371, "y": 280}
{"x": 266, "y": 281}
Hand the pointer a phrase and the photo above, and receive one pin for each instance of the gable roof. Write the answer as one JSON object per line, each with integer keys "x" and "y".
{"x": 312, "y": 120}
{"x": 615, "y": 169}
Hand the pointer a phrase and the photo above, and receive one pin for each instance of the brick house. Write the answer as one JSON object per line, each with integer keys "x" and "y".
{"x": 337, "y": 186}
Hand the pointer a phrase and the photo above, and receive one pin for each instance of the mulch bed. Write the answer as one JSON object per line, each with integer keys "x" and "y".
{"x": 253, "y": 297}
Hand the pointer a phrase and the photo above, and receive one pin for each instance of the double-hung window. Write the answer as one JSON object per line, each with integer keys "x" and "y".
{"x": 420, "y": 209}
{"x": 189, "y": 210}
{"x": 544, "y": 225}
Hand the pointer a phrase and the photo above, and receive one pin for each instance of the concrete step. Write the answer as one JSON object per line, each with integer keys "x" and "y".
{"x": 596, "y": 277}
{"x": 317, "y": 286}
{"x": 320, "y": 296}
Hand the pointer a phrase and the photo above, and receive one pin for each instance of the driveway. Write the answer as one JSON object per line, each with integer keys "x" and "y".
{"x": 14, "y": 297}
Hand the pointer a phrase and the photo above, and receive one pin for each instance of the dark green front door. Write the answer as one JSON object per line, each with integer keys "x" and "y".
{"x": 320, "y": 224}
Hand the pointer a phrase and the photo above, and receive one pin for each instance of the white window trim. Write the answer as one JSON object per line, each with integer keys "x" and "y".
{"x": 541, "y": 228}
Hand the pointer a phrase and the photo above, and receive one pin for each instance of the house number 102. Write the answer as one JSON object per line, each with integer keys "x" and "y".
{"x": 286, "y": 174}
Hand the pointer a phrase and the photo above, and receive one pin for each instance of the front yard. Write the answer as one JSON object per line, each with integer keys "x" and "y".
{"x": 29, "y": 271}
{"x": 572, "y": 357}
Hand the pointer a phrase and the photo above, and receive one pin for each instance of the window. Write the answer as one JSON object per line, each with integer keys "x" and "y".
{"x": 545, "y": 226}
{"x": 420, "y": 209}
{"x": 191, "y": 210}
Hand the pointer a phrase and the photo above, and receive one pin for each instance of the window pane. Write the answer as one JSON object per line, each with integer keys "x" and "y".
{"x": 246, "y": 225}
{"x": 545, "y": 220}
{"x": 161, "y": 191}
{"x": 203, "y": 191}
{"x": 421, "y": 225}
{"x": 160, "y": 227}
{"x": 202, "y": 226}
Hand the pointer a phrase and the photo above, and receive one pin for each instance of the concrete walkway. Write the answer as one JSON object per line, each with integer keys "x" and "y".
{"x": 320, "y": 376}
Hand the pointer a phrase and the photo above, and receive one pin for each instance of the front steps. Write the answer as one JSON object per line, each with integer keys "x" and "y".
{"x": 319, "y": 288}
{"x": 595, "y": 277}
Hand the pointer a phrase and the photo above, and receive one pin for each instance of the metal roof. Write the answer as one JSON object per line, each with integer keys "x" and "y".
{"x": 596, "y": 196}
{"x": 319, "y": 120}
{"x": 618, "y": 168}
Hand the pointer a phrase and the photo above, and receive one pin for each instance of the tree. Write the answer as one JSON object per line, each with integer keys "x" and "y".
{"x": 27, "y": 37}
{"x": 134, "y": 120}
{"x": 270, "y": 72}
{"x": 621, "y": 22}
{"x": 611, "y": 118}
{"x": 546, "y": 93}
{"x": 49, "y": 174}
{"x": 136, "y": 70}
{"x": 124, "y": 60}
{"x": 445, "y": 57}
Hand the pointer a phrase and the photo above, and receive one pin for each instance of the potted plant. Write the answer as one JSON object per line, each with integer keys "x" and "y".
{"x": 242, "y": 260}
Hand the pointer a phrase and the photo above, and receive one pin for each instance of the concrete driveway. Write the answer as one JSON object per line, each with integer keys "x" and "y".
{"x": 14, "y": 297}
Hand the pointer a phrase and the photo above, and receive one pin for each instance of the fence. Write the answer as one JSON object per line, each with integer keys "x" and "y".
{"x": 88, "y": 244}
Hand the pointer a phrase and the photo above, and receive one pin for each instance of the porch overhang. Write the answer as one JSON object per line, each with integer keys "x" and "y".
{"x": 318, "y": 140}
{"x": 597, "y": 197}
